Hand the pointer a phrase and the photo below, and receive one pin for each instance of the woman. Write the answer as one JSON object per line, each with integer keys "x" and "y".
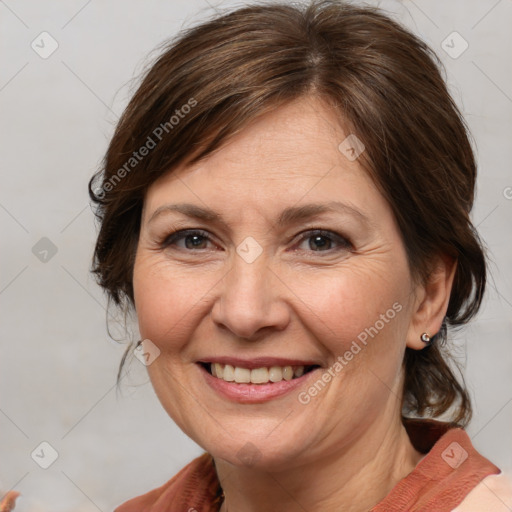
{"x": 285, "y": 204}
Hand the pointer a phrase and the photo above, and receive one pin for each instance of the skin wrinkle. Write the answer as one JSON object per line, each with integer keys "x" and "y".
{"x": 286, "y": 304}
{"x": 289, "y": 215}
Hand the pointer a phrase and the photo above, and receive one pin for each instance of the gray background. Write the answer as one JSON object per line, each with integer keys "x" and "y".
{"x": 58, "y": 365}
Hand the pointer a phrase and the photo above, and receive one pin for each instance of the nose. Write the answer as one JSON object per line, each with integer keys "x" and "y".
{"x": 250, "y": 303}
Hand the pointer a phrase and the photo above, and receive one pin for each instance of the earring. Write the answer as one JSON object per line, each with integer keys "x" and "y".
{"x": 425, "y": 337}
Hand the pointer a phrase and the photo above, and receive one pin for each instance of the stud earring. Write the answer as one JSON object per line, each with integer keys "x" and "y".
{"x": 425, "y": 337}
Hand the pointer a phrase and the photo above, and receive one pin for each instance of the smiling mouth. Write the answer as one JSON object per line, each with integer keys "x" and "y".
{"x": 263, "y": 375}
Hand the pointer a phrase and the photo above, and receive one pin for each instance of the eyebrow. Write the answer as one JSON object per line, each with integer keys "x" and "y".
{"x": 189, "y": 210}
{"x": 296, "y": 214}
{"x": 290, "y": 215}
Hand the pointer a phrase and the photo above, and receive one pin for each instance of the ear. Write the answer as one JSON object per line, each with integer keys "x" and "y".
{"x": 432, "y": 298}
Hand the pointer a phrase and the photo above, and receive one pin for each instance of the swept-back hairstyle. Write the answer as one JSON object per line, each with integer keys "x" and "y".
{"x": 387, "y": 88}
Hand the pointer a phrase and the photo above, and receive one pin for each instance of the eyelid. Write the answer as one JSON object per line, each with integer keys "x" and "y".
{"x": 336, "y": 237}
{"x": 180, "y": 234}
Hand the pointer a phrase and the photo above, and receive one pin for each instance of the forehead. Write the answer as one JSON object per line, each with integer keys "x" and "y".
{"x": 286, "y": 156}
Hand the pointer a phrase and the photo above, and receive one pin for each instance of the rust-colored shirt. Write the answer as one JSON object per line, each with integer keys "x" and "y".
{"x": 440, "y": 482}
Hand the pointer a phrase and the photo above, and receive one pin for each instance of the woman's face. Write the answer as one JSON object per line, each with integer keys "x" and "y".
{"x": 286, "y": 256}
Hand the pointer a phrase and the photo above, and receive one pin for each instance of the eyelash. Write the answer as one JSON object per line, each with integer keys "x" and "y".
{"x": 336, "y": 238}
{"x": 181, "y": 235}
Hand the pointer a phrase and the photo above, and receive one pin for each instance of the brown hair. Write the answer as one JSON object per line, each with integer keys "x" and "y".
{"x": 386, "y": 85}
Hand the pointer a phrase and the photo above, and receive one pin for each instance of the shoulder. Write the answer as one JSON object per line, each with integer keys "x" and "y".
{"x": 493, "y": 493}
{"x": 194, "y": 488}
{"x": 452, "y": 474}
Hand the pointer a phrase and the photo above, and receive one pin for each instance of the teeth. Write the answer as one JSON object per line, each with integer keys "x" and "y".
{"x": 219, "y": 370}
{"x": 287, "y": 373}
{"x": 259, "y": 376}
{"x": 275, "y": 374}
{"x": 228, "y": 373}
{"x": 240, "y": 375}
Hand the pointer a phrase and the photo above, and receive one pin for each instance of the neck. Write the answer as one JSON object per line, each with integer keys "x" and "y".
{"x": 352, "y": 479}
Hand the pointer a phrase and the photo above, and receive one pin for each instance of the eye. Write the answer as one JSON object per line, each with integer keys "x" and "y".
{"x": 188, "y": 239}
{"x": 322, "y": 241}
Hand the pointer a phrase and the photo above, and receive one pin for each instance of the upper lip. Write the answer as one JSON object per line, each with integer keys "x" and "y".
{"x": 259, "y": 362}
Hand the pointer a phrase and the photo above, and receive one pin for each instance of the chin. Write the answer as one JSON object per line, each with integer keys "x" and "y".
{"x": 268, "y": 453}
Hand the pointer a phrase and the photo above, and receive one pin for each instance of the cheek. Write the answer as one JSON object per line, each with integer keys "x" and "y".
{"x": 360, "y": 315}
{"x": 344, "y": 303}
{"x": 166, "y": 299}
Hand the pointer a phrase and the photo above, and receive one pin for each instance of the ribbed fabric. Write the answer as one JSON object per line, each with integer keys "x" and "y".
{"x": 439, "y": 483}
{"x": 193, "y": 489}
{"x": 442, "y": 479}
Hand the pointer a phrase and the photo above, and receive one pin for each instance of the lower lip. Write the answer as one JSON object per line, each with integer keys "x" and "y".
{"x": 253, "y": 393}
